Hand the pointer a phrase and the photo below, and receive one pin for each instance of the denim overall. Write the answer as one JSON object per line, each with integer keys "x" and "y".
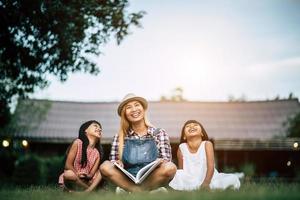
{"x": 138, "y": 153}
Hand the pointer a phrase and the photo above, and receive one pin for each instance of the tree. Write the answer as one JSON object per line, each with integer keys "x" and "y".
{"x": 293, "y": 126}
{"x": 43, "y": 37}
{"x": 176, "y": 95}
{"x": 291, "y": 96}
{"x": 242, "y": 98}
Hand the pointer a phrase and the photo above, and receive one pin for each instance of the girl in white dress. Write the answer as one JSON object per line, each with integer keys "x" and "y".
{"x": 196, "y": 167}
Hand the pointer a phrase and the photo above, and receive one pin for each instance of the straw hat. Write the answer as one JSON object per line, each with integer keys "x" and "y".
{"x": 132, "y": 97}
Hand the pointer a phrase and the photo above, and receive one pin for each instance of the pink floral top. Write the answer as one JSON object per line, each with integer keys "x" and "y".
{"x": 92, "y": 155}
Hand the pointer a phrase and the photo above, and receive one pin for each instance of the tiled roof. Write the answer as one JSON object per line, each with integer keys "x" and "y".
{"x": 261, "y": 120}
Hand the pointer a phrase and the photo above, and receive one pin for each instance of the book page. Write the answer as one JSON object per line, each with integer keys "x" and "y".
{"x": 126, "y": 172}
{"x": 145, "y": 171}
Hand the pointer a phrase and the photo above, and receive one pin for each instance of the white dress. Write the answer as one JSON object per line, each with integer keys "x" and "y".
{"x": 194, "y": 171}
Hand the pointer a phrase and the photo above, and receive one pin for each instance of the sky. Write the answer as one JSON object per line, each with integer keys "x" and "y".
{"x": 211, "y": 49}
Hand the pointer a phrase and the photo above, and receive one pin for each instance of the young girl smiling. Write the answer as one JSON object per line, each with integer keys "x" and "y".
{"x": 81, "y": 170}
{"x": 196, "y": 168}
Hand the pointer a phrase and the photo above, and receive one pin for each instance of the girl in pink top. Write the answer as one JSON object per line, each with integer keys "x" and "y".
{"x": 83, "y": 159}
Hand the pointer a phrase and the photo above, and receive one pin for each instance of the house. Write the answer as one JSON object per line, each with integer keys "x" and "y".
{"x": 242, "y": 132}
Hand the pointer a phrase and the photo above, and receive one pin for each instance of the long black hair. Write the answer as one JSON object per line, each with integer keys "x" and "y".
{"x": 85, "y": 142}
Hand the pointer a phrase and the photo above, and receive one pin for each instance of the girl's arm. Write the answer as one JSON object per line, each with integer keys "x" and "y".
{"x": 209, "y": 149}
{"x": 180, "y": 159}
{"x": 69, "y": 165}
{"x": 95, "y": 168}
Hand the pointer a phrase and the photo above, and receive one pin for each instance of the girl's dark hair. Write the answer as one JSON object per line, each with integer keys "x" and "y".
{"x": 204, "y": 137}
{"x": 85, "y": 142}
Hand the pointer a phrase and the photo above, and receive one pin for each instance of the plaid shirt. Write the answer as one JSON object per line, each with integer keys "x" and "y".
{"x": 161, "y": 139}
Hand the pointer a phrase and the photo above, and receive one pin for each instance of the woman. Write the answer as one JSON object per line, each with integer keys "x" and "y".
{"x": 83, "y": 159}
{"x": 136, "y": 128}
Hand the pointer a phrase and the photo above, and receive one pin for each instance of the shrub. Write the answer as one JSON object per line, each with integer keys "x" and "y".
{"x": 7, "y": 163}
{"x": 293, "y": 126}
{"x": 228, "y": 169}
{"x": 249, "y": 170}
{"x": 29, "y": 170}
{"x": 54, "y": 167}
{"x": 35, "y": 170}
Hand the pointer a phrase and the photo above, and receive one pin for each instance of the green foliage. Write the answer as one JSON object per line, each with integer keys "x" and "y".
{"x": 8, "y": 159}
{"x": 54, "y": 167}
{"x": 293, "y": 126}
{"x": 29, "y": 170}
{"x": 4, "y": 111}
{"x": 41, "y": 38}
{"x": 27, "y": 116}
{"x": 34, "y": 170}
{"x": 176, "y": 95}
{"x": 229, "y": 169}
{"x": 242, "y": 98}
{"x": 297, "y": 174}
{"x": 249, "y": 170}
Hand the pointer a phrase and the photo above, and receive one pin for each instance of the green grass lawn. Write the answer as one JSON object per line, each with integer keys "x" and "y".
{"x": 247, "y": 191}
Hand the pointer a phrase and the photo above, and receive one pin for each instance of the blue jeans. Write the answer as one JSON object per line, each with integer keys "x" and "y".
{"x": 138, "y": 153}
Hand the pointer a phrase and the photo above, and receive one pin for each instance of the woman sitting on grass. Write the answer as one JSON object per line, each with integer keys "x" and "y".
{"x": 82, "y": 161}
{"x": 137, "y": 144}
{"x": 196, "y": 167}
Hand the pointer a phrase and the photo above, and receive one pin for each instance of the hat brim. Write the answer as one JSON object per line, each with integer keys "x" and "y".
{"x": 139, "y": 99}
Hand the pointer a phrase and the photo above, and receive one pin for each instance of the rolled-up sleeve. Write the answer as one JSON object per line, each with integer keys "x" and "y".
{"x": 164, "y": 145}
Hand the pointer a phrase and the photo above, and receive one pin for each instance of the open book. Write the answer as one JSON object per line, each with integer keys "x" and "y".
{"x": 142, "y": 173}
